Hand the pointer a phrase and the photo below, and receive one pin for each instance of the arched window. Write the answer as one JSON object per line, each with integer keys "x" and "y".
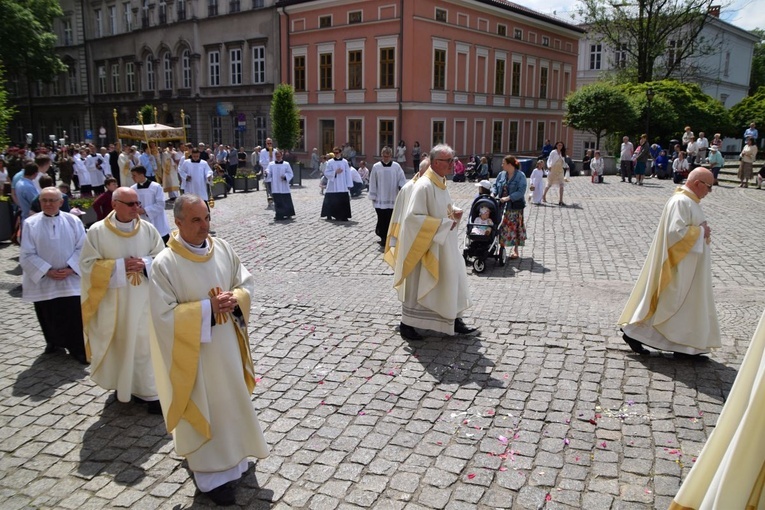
{"x": 186, "y": 68}
{"x": 167, "y": 70}
{"x": 150, "y": 77}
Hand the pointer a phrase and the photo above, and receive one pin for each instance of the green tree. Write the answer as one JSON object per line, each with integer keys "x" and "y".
{"x": 28, "y": 45}
{"x": 646, "y": 31}
{"x": 145, "y": 113}
{"x": 675, "y": 106}
{"x": 285, "y": 118}
{"x": 7, "y": 111}
{"x": 750, "y": 109}
{"x": 757, "y": 78}
{"x": 599, "y": 109}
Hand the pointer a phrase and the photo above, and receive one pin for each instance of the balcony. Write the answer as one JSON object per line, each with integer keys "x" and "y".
{"x": 165, "y": 94}
{"x": 184, "y": 92}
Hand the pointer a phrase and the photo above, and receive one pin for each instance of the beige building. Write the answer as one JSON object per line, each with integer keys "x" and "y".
{"x": 217, "y": 60}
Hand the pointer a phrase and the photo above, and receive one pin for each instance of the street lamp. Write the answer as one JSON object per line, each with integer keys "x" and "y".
{"x": 649, "y": 95}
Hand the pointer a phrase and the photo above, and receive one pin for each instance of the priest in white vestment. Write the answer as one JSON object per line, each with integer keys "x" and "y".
{"x": 672, "y": 307}
{"x": 385, "y": 181}
{"x": 730, "y": 471}
{"x": 50, "y": 260}
{"x": 200, "y": 305}
{"x": 278, "y": 175}
{"x": 429, "y": 272}
{"x": 397, "y": 216}
{"x": 196, "y": 175}
{"x": 116, "y": 265}
{"x": 169, "y": 161}
{"x": 337, "y": 199}
{"x": 126, "y": 161}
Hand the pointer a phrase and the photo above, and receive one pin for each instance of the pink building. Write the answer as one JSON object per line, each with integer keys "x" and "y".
{"x": 485, "y": 76}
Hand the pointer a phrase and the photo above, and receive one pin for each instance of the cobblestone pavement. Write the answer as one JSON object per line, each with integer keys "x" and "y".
{"x": 546, "y": 409}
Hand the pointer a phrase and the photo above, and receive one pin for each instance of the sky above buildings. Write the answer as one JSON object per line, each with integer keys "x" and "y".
{"x": 746, "y": 14}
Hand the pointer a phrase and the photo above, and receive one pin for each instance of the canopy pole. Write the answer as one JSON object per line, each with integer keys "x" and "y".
{"x": 183, "y": 125}
{"x": 116, "y": 129}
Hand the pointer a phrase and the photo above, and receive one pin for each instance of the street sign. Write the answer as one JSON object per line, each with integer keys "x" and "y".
{"x": 88, "y": 135}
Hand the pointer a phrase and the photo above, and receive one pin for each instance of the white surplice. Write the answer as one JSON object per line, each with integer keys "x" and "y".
{"x": 672, "y": 307}
{"x": 385, "y": 181}
{"x": 153, "y": 202}
{"x": 50, "y": 242}
{"x": 115, "y": 306}
{"x": 200, "y": 173}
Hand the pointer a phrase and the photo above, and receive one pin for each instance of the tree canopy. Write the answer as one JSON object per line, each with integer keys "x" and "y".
{"x": 656, "y": 36}
{"x": 7, "y": 111}
{"x": 599, "y": 109}
{"x": 750, "y": 109}
{"x": 757, "y": 78}
{"x": 28, "y": 43}
{"x": 285, "y": 117}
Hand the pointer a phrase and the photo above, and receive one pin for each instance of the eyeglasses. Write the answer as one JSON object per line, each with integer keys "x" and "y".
{"x": 451, "y": 161}
{"x": 50, "y": 200}
{"x": 709, "y": 186}
{"x": 130, "y": 204}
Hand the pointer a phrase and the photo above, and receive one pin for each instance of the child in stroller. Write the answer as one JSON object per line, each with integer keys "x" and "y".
{"x": 482, "y": 233}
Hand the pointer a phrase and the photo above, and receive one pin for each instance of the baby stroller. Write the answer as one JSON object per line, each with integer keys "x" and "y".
{"x": 483, "y": 242}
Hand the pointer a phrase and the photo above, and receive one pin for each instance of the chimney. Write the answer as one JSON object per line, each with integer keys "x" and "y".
{"x": 714, "y": 10}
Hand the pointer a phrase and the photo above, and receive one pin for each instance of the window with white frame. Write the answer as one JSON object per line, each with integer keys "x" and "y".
{"x": 355, "y": 67}
{"x": 596, "y": 56}
{"x": 726, "y": 64}
{"x": 502, "y": 30}
{"x": 540, "y": 134}
{"x": 356, "y": 135}
{"x": 145, "y": 14}
{"x": 112, "y": 19}
{"x": 235, "y": 59}
{"x": 71, "y": 79}
{"x": 439, "y": 69}
{"x": 258, "y": 64}
{"x": 387, "y": 131}
{"x": 518, "y": 34}
{"x": 162, "y": 12}
{"x": 151, "y": 83}
{"x": 216, "y": 125}
{"x": 213, "y": 69}
{"x": 674, "y": 54}
{"x": 116, "y": 78}
{"x": 98, "y": 20}
{"x": 68, "y": 39}
{"x": 325, "y": 71}
{"x": 325, "y": 21}
{"x": 167, "y": 71}
{"x": 128, "y": 12}
{"x": 387, "y": 68}
{"x": 512, "y": 136}
{"x": 620, "y": 56}
{"x": 354, "y": 17}
{"x": 439, "y": 132}
{"x": 130, "y": 77}
{"x": 496, "y": 136}
{"x": 257, "y": 4}
{"x": 186, "y": 69}
{"x": 234, "y": 6}
{"x": 102, "y": 79}
{"x": 260, "y": 130}
{"x": 545, "y": 41}
{"x": 543, "y": 83}
{"x": 180, "y": 9}
{"x": 441, "y": 15}
{"x": 298, "y": 70}
{"x": 187, "y": 123}
{"x": 212, "y": 10}
{"x": 515, "y": 79}
{"x": 499, "y": 76}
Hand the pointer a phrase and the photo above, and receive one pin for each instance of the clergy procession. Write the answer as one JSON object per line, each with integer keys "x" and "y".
{"x": 255, "y": 342}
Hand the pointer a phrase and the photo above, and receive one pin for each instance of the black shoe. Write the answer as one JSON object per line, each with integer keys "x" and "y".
{"x": 463, "y": 329}
{"x": 80, "y": 357}
{"x": 692, "y": 357}
{"x": 50, "y": 349}
{"x": 154, "y": 407}
{"x": 408, "y": 332}
{"x": 224, "y": 495}
{"x": 635, "y": 345}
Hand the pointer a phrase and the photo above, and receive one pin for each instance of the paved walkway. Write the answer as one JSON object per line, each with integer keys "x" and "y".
{"x": 546, "y": 409}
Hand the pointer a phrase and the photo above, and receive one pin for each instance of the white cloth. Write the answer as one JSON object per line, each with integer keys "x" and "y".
{"x": 50, "y": 242}
{"x": 596, "y": 166}
{"x": 385, "y": 181}
{"x": 125, "y": 162}
{"x": 115, "y": 306}
{"x": 195, "y": 177}
{"x": 625, "y": 154}
{"x": 537, "y": 179}
{"x": 81, "y": 171}
{"x": 671, "y": 307}
{"x": 266, "y": 157}
{"x": 397, "y": 216}
{"x": 92, "y": 163}
{"x": 429, "y": 272}
{"x": 169, "y": 162}
{"x": 205, "y": 388}
{"x": 338, "y": 183}
{"x": 680, "y": 165}
{"x": 356, "y": 176}
{"x": 279, "y": 175}
{"x": 728, "y": 472}
{"x": 153, "y": 202}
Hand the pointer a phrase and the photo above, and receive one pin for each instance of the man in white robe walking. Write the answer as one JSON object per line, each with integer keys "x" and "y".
{"x": 50, "y": 260}
{"x": 671, "y": 307}
{"x": 429, "y": 272}
{"x": 397, "y": 216}
{"x": 200, "y": 305}
{"x": 385, "y": 181}
{"x": 152, "y": 207}
{"x": 196, "y": 175}
{"x": 115, "y": 267}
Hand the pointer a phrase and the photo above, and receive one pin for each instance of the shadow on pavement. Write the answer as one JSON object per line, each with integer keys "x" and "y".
{"x": 709, "y": 377}
{"x": 124, "y": 438}
{"x": 454, "y": 360}
{"x": 46, "y": 374}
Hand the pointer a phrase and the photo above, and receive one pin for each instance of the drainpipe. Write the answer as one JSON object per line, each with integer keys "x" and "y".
{"x": 400, "y": 74}
{"x": 87, "y": 69}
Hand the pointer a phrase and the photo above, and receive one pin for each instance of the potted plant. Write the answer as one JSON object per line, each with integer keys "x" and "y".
{"x": 86, "y": 206}
{"x": 242, "y": 182}
{"x": 218, "y": 187}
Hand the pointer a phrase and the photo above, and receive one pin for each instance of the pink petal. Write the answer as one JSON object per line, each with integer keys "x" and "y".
{"x": 502, "y": 468}
{"x": 471, "y": 476}
{"x": 548, "y": 497}
{"x": 502, "y": 439}
{"x": 447, "y": 396}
